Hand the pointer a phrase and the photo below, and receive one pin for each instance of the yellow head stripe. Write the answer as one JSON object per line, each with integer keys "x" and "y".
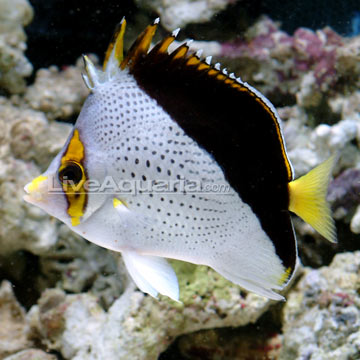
{"x": 75, "y": 150}
{"x": 76, "y": 195}
{"x": 77, "y": 202}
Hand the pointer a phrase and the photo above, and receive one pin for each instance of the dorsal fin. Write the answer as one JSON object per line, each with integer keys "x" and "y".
{"x": 162, "y": 46}
{"x": 180, "y": 60}
{"x": 140, "y": 46}
{"x": 117, "y": 42}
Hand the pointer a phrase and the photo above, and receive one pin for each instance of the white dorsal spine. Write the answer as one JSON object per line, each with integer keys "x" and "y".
{"x": 208, "y": 60}
{"x": 87, "y": 81}
{"x": 175, "y": 32}
{"x": 95, "y": 76}
{"x": 92, "y": 73}
{"x": 199, "y": 53}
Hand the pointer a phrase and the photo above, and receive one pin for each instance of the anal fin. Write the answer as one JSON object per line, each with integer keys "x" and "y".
{"x": 152, "y": 274}
{"x": 262, "y": 289}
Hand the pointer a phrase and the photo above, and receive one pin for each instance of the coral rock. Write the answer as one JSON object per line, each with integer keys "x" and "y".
{"x": 31, "y": 354}
{"x": 14, "y": 67}
{"x": 27, "y": 139}
{"x": 58, "y": 94}
{"x": 179, "y": 13}
{"x": 13, "y": 324}
{"x": 137, "y": 326}
{"x": 321, "y": 316}
{"x": 344, "y": 192}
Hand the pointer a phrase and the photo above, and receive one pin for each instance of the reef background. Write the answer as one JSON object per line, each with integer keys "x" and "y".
{"x": 64, "y": 298}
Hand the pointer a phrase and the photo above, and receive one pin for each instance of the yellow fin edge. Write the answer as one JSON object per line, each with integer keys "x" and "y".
{"x": 141, "y": 45}
{"x": 117, "y": 42}
{"x": 308, "y": 199}
{"x": 285, "y": 276}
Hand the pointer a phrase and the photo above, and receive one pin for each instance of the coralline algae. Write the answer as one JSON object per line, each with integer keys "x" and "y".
{"x": 88, "y": 308}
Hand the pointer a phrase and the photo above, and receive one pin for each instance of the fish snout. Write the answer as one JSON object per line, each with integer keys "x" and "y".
{"x": 36, "y": 190}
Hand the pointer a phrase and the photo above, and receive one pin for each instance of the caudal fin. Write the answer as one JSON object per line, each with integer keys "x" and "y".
{"x": 308, "y": 199}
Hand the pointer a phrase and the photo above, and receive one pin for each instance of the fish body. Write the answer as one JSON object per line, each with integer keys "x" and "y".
{"x": 171, "y": 157}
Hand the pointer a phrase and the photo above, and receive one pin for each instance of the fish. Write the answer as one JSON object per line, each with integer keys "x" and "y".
{"x": 172, "y": 157}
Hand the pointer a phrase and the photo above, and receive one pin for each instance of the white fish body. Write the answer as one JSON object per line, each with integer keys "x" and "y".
{"x": 124, "y": 139}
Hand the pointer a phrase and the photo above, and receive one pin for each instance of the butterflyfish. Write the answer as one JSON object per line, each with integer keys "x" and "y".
{"x": 173, "y": 157}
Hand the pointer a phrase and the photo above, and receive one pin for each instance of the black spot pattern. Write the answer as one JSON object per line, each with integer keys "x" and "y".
{"x": 139, "y": 142}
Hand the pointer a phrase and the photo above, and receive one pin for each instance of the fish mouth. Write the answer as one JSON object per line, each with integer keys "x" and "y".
{"x": 35, "y": 190}
{"x": 32, "y": 198}
{"x": 28, "y": 199}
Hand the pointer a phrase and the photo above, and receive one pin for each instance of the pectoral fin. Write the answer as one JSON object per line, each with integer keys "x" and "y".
{"x": 135, "y": 218}
{"x": 152, "y": 274}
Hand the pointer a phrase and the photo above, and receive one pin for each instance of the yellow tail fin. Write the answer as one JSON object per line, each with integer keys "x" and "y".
{"x": 308, "y": 199}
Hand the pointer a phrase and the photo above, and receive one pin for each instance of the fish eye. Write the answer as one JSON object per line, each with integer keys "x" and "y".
{"x": 71, "y": 172}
